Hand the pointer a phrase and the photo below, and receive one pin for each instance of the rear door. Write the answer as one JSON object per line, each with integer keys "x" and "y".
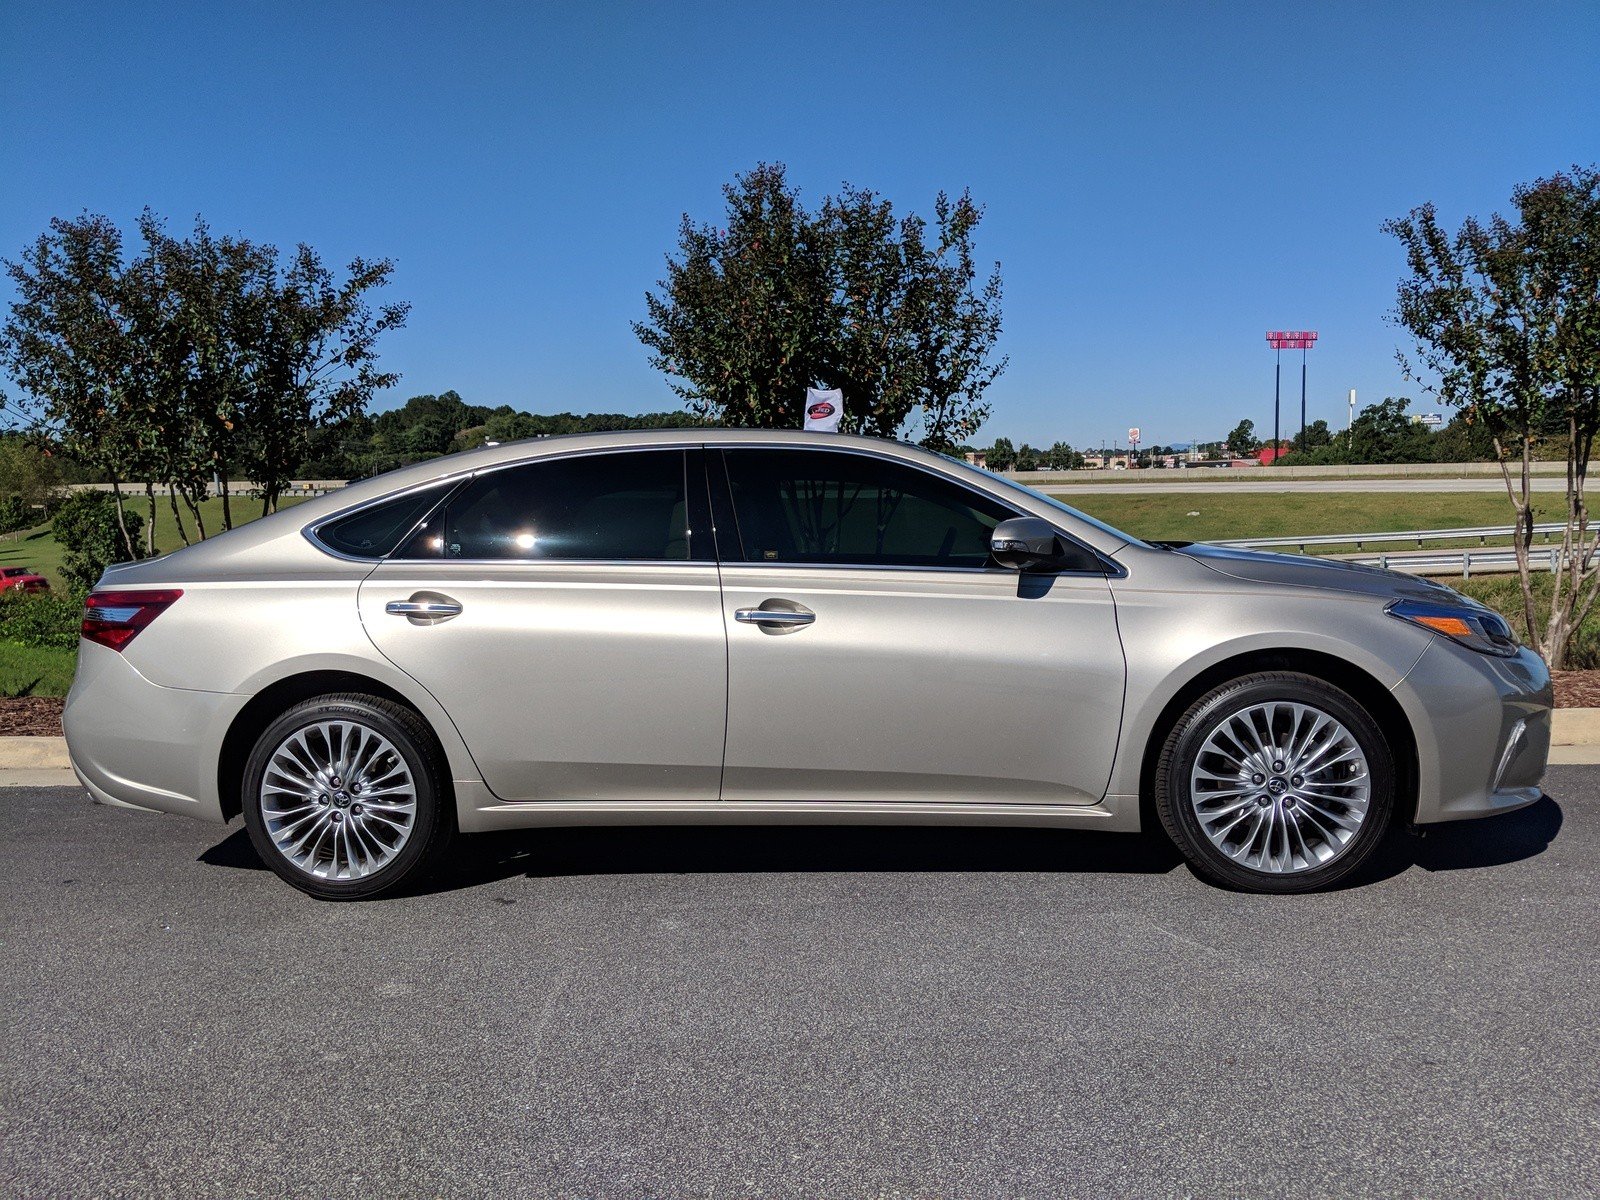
{"x": 875, "y": 655}
{"x": 566, "y": 613}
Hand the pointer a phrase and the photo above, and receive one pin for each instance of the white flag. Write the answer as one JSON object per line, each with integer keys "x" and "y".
{"x": 824, "y": 407}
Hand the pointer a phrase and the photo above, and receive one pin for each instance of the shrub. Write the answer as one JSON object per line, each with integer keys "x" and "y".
{"x": 86, "y": 526}
{"x": 41, "y": 619}
{"x": 14, "y": 514}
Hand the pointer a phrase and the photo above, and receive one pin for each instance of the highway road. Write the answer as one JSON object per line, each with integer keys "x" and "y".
{"x": 790, "y": 1012}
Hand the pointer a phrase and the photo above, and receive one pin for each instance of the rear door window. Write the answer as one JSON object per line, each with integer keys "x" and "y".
{"x": 623, "y": 507}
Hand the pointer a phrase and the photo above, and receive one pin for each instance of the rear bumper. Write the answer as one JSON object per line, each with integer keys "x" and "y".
{"x": 135, "y": 743}
{"x": 1482, "y": 727}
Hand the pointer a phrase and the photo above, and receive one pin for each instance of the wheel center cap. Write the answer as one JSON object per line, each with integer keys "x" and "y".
{"x": 341, "y": 799}
{"x": 1277, "y": 786}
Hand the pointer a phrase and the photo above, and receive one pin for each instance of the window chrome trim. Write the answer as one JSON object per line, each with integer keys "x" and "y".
{"x": 1111, "y": 568}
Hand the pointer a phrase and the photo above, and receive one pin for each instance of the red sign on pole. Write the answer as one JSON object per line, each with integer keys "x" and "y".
{"x": 1292, "y": 339}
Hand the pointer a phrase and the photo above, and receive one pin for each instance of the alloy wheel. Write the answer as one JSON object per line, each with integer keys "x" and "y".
{"x": 1280, "y": 787}
{"x": 338, "y": 800}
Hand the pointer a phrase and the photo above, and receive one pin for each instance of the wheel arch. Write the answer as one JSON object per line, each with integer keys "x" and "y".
{"x": 1366, "y": 690}
{"x": 276, "y": 698}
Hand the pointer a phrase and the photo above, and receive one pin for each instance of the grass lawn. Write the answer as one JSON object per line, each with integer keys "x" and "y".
{"x": 1285, "y": 514}
{"x": 35, "y": 670}
{"x": 38, "y": 549}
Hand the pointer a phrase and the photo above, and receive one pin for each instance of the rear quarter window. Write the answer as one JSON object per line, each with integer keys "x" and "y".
{"x": 374, "y": 531}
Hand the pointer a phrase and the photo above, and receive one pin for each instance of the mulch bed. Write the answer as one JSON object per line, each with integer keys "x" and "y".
{"x": 1577, "y": 689}
{"x": 31, "y": 716}
{"x": 40, "y": 716}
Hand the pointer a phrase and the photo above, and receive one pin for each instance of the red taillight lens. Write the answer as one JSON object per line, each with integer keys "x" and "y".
{"x": 114, "y": 618}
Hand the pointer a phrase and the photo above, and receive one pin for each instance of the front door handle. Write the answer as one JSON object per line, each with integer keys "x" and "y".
{"x": 420, "y": 609}
{"x": 778, "y": 618}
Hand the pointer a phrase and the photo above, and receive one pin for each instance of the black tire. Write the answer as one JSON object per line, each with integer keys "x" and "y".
{"x": 1188, "y": 736}
{"x": 434, "y": 823}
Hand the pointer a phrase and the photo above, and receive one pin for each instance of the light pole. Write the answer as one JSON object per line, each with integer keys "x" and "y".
{"x": 1281, "y": 340}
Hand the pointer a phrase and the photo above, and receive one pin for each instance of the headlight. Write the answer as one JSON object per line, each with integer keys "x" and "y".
{"x": 1476, "y": 628}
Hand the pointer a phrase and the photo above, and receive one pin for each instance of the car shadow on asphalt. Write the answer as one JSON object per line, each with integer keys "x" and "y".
{"x": 730, "y": 849}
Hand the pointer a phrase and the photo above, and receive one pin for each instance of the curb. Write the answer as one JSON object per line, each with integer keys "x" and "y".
{"x": 34, "y": 753}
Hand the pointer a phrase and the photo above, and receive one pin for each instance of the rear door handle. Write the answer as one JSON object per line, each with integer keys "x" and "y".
{"x": 776, "y": 617}
{"x": 423, "y": 609}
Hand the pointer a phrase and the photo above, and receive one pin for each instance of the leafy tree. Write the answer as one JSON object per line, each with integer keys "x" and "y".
{"x": 68, "y": 344}
{"x": 199, "y": 358}
{"x": 315, "y": 359}
{"x": 1313, "y": 435}
{"x": 92, "y": 533}
{"x": 1243, "y": 441}
{"x": 1505, "y": 318}
{"x": 1002, "y": 456}
{"x": 28, "y": 475}
{"x": 1384, "y": 433}
{"x": 779, "y": 299}
{"x": 1062, "y": 457}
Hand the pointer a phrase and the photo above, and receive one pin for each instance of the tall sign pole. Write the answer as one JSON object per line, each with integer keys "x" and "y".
{"x": 1281, "y": 340}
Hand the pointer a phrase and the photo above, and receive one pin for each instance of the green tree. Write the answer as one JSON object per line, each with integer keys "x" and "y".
{"x": 1243, "y": 441}
{"x": 1062, "y": 457}
{"x": 69, "y": 346}
{"x": 1504, "y": 315}
{"x": 28, "y": 474}
{"x": 1002, "y": 455}
{"x": 200, "y": 358}
{"x": 94, "y": 535}
{"x": 778, "y": 299}
{"x": 1385, "y": 433}
{"x": 1313, "y": 435}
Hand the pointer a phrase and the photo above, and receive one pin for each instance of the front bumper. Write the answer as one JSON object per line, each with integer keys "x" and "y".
{"x": 1482, "y": 728}
{"x": 136, "y": 743}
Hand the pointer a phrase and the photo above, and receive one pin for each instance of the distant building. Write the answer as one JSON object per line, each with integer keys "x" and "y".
{"x": 1268, "y": 455}
{"x": 978, "y": 458}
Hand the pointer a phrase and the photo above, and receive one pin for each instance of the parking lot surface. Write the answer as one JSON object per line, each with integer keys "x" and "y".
{"x": 812, "y": 1012}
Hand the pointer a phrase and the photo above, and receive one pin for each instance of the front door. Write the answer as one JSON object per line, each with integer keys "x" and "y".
{"x": 566, "y": 614}
{"x": 875, "y": 655}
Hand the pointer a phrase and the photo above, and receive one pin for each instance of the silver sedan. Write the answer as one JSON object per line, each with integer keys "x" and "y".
{"x": 741, "y": 626}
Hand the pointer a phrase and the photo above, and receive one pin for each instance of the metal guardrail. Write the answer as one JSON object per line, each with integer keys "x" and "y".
{"x": 1359, "y": 540}
{"x": 1462, "y": 562}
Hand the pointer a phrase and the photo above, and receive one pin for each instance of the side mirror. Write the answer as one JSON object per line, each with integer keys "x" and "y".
{"x": 1025, "y": 544}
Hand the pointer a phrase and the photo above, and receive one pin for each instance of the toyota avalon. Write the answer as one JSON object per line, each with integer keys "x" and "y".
{"x": 707, "y": 626}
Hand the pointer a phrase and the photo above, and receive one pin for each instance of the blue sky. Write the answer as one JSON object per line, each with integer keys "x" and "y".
{"x": 1163, "y": 183}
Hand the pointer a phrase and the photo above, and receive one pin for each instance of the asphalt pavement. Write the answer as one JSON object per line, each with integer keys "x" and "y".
{"x": 798, "y": 1012}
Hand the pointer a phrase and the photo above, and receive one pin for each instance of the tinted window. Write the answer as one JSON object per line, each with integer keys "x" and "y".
{"x": 375, "y": 532}
{"x": 815, "y": 506}
{"x": 598, "y": 506}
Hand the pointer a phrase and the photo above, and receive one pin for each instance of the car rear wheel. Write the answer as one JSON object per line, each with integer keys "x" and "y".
{"x": 1276, "y": 782}
{"x": 345, "y": 797}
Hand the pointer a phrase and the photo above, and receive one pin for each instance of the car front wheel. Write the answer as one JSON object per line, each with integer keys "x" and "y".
{"x": 345, "y": 797}
{"x": 1276, "y": 782}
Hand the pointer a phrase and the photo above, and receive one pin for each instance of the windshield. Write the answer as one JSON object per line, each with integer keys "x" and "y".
{"x": 1051, "y": 501}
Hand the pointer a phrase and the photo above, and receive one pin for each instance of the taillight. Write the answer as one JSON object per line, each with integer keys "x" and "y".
{"x": 114, "y": 618}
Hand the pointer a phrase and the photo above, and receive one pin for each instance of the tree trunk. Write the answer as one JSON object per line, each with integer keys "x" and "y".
{"x": 177, "y": 516}
{"x": 227, "y": 505}
{"x": 122, "y": 522}
{"x": 150, "y": 529}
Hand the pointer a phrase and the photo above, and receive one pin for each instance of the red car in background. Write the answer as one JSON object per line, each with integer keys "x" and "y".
{"x": 21, "y": 579}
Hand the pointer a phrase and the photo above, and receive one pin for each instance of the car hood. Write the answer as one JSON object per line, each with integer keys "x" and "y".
{"x": 1299, "y": 570}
